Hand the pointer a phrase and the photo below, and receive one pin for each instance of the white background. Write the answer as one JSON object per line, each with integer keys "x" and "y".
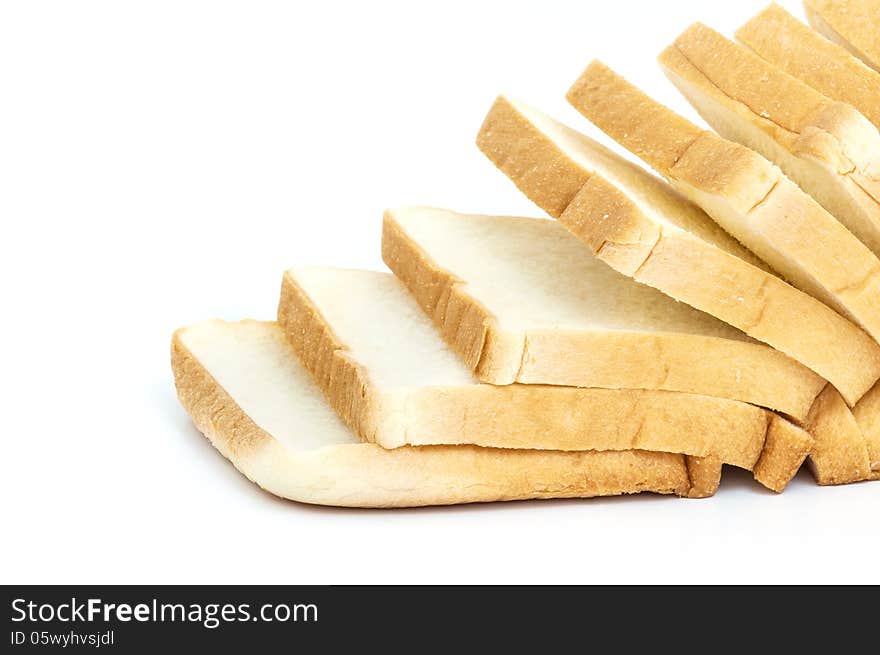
{"x": 164, "y": 162}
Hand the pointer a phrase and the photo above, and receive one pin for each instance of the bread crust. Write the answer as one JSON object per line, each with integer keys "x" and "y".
{"x": 693, "y": 363}
{"x": 840, "y": 454}
{"x": 366, "y": 475}
{"x": 853, "y": 24}
{"x": 685, "y": 267}
{"x": 785, "y": 449}
{"x": 784, "y": 41}
{"x": 344, "y": 382}
{"x": 518, "y": 416}
{"x": 827, "y": 147}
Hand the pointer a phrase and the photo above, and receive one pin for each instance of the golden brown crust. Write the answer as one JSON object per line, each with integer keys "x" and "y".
{"x": 840, "y": 453}
{"x": 726, "y": 368}
{"x": 784, "y": 41}
{"x": 535, "y": 164}
{"x": 854, "y": 24}
{"x": 365, "y": 475}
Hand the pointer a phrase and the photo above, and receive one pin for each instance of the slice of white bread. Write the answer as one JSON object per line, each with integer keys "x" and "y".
{"x": 389, "y": 374}
{"x": 854, "y": 24}
{"x": 246, "y": 391}
{"x": 826, "y": 146}
{"x": 786, "y": 42}
{"x": 541, "y": 309}
{"x": 640, "y": 226}
{"x": 747, "y": 195}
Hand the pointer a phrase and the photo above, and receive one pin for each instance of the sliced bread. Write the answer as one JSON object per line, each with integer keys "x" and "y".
{"x": 246, "y": 391}
{"x": 826, "y": 146}
{"x": 854, "y": 24}
{"x": 389, "y": 374}
{"x": 786, "y": 42}
{"x": 641, "y": 227}
{"x": 541, "y": 309}
{"x": 747, "y": 195}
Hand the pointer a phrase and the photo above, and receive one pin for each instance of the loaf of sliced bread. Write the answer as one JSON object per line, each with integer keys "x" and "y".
{"x": 747, "y": 195}
{"x": 642, "y": 228}
{"x": 541, "y": 309}
{"x": 826, "y": 146}
{"x": 246, "y": 391}
{"x": 786, "y": 42}
{"x": 387, "y": 371}
{"x": 854, "y": 24}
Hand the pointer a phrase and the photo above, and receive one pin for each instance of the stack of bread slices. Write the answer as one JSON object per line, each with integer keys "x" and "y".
{"x": 648, "y": 333}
